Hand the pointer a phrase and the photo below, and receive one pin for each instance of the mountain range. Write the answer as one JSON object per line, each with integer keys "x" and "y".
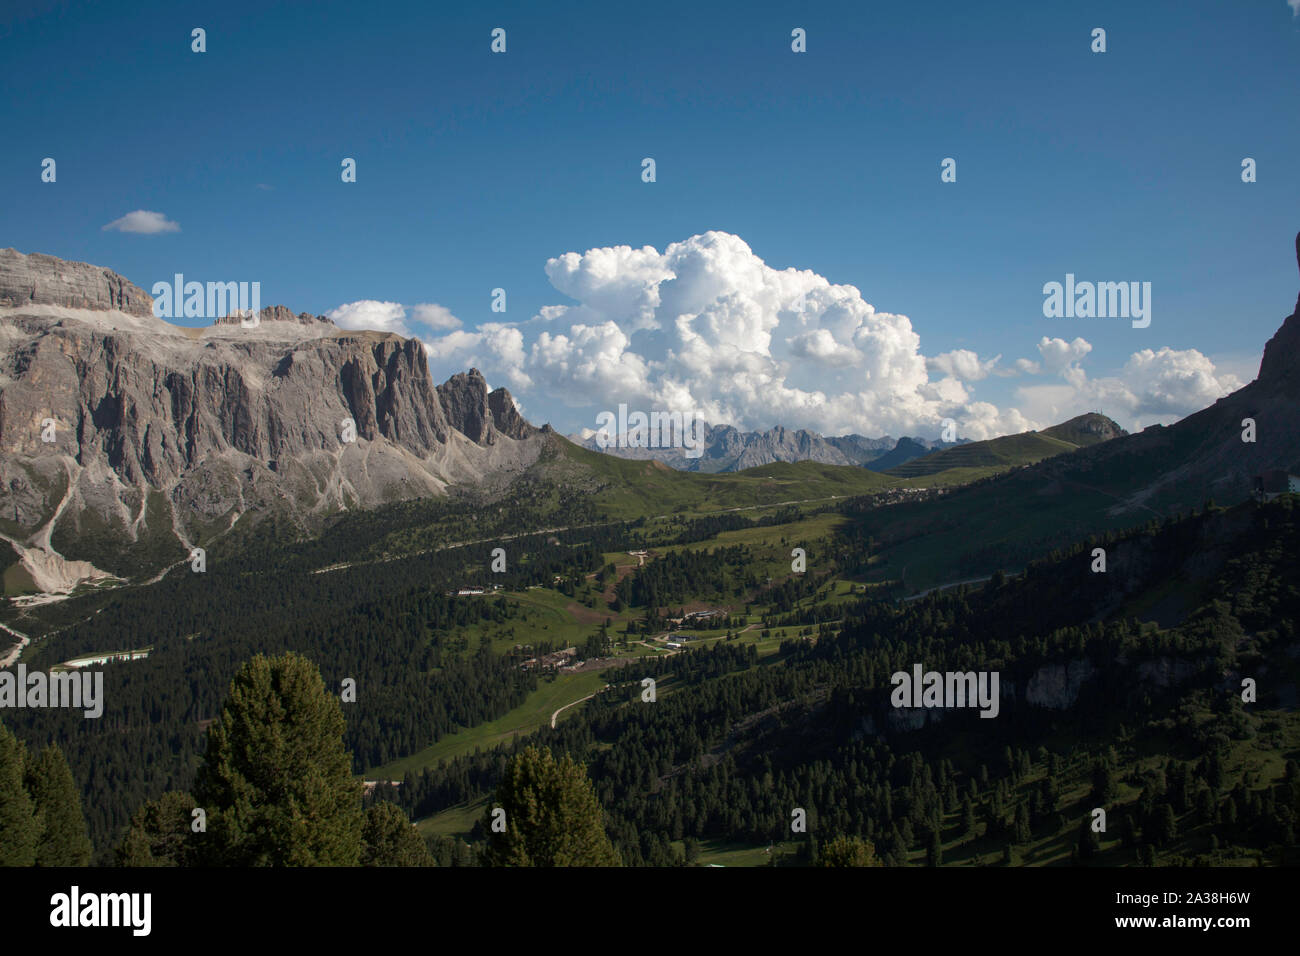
{"x": 126, "y": 440}
{"x": 726, "y": 448}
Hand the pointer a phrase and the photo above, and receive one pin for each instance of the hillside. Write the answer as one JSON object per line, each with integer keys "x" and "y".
{"x": 1118, "y": 690}
{"x": 1010, "y": 450}
{"x": 628, "y": 489}
{"x": 1004, "y": 521}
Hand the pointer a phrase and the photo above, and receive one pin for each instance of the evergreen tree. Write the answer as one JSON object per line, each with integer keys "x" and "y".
{"x": 276, "y": 780}
{"x": 19, "y": 825}
{"x": 1022, "y": 833}
{"x": 1105, "y": 785}
{"x": 551, "y": 815}
{"x": 1165, "y": 826}
{"x": 160, "y": 833}
{"x": 63, "y": 840}
{"x": 389, "y": 839}
{"x": 1089, "y": 843}
{"x": 934, "y": 852}
{"x": 968, "y": 817}
{"x": 848, "y": 851}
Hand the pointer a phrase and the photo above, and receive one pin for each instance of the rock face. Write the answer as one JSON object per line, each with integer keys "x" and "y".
{"x": 480, "y": 416}
{"x": 163, "y": 435}
{"x": 1279, "y": 364}
{"x": 277, "y": 313}
{"x": 44, "y": 280}
{"x": 1083, "y": 430}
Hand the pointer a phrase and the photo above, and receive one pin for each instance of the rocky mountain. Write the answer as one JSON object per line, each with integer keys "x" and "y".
{"x": 125, "y": 440}
{"x": 726, "y": 448}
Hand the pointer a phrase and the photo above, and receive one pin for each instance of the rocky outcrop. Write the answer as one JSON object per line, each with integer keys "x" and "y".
{"x": 45, "y": 280}
{"x": 1279, "y": 365}
{"x": 277, "y": 313}
{"x": 120, "y": 427}
{"x": 506, "y": 417}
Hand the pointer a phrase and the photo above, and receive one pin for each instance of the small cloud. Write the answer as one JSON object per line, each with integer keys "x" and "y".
{"x": 1295, "y": 7}
{"x": 437, "y": 317}
{"x": 144, "y": 222}
{"x": 963, "y": 364}
{"x": 371, "y": 314}
{"x": 265, "y": 186}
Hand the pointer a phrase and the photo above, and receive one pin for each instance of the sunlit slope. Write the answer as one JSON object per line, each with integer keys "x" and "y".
{"x": 626, "y": 489}
{"x": 1011, "y": 450}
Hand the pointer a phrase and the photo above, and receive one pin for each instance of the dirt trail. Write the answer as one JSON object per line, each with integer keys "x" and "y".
{"x": 567, "y": 706}
{"x": 23, "y": 641}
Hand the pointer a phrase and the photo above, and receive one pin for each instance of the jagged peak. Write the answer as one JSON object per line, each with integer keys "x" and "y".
{"x": 1278, "y": 365}
{"x": 276, "y": 313}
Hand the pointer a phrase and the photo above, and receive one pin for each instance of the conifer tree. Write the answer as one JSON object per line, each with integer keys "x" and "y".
{"x": 160, "y": 833}
{"x": 19, "y": 825}
{"x": 552, "y": 817}
{"x": 63, "y": 840}
{"x": 1022, "y": 832}
{"x": 389, "y": 839}
{"x": 848, "y": 851}
{"x": 276, "y": 780}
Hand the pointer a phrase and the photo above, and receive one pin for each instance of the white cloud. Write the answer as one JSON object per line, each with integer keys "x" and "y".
{"x": 392, "y": 317}
{"x": 707, "y": 326}
{"x": 963, "y": 364}
{"x": 436, "y": 317}
{"x": 371, "y": 314}
{"x": 1295, "y": 7}
{"x": 1153, "y": 386}
{"x": 143, "y": 222}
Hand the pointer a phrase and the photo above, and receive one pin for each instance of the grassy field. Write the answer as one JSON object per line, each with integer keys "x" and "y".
{"x": 635, "y": 489}
{"x": 534, "y": 713}
{"x": 1001, "y": 452}
{"x": 458, "y": 821}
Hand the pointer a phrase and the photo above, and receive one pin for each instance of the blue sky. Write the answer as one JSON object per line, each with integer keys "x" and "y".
{"x": 474, "y": 169}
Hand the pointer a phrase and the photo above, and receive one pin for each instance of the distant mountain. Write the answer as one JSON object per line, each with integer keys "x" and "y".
{"x": 1023, "y": 449}
{"x": 726, "y": 449}
{"x": 906, "y": 450}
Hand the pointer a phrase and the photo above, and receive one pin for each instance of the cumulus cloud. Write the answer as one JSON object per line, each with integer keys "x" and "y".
{"x": 434, "y": 316}
{"x": 392, "y": 317}
{"x": 371, "y": 314}
{"x": 1056, "y": 356}
{"x": 1295, "y": 7}
{"x": 144, "y": 223}
{"x": 963, "y": 364}
{"x": 1154, "y": 386}
{"x": 708, "y": 327}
